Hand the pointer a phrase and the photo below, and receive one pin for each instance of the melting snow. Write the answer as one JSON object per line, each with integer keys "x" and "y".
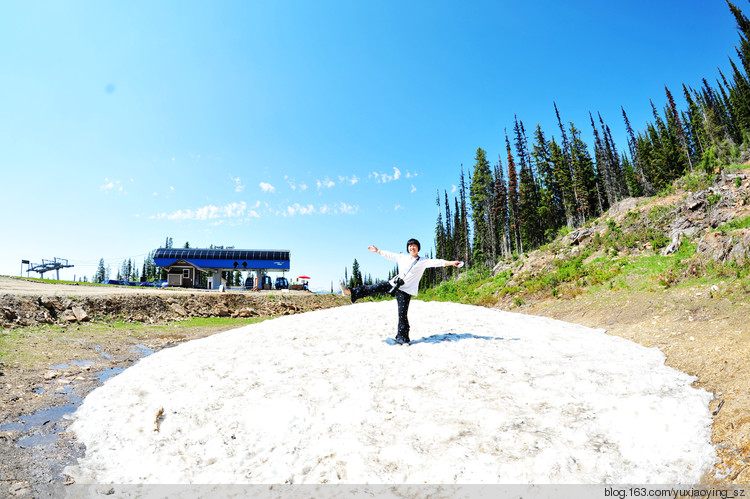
{"x": 480, "y": 396}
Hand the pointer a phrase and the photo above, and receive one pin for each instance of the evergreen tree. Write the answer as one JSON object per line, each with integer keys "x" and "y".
{"x": 356, "y": 279}
{"x": 514, "y": 215}
{"x": 440, "y": 236}
{"x": 101, "y": 273}
{"x": 584, "y": 178}
{"x": 501, "y": 211}
{"x": 551, "y": 210}
{"x": 481, "y": 203}
{"x": 464, "y": 245}
{"x": 528, "y": 195}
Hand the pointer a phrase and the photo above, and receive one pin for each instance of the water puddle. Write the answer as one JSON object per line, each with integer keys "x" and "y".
{"x": 38, "y": 440}
{"x": 106, "y": 374}
{"x": 43, "y": 417}
{"x": 41, "y": 427}
{"x": 78, "y": 363}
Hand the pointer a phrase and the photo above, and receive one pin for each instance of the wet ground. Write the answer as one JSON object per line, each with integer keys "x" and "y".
{"x": 36, "y": 446}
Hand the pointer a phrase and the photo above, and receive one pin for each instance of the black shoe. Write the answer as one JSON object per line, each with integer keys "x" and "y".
{"x": 402, "y": 340}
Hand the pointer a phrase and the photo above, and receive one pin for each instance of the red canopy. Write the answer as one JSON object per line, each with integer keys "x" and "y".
{"x": 303, "y": 277}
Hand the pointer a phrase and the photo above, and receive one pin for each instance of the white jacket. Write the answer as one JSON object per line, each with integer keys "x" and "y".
{"x": 411, "y": 275}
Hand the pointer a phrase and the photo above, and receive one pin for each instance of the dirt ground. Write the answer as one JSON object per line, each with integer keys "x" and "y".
{"x": 700, "y": 331}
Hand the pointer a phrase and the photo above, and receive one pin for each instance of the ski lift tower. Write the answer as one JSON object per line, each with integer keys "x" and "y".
{"x": 55, "y": 264}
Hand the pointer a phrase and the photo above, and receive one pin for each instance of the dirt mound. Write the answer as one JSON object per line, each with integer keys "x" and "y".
{"x": 29, "y": 310}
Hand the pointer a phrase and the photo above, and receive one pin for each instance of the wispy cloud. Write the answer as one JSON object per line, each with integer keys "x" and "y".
{"x": 238, "y": 185}
{"x": 346, "y": 208}
{"x": 111, "y": 185}
{"x": 348, "y": 180}
{"x": 293, "y": 185}
{"x": 413, "y": 189}
{"x": 340, "y": 208}
{"x": 383, "y": 178}
{"x": 298, "y": 209}
{"x": 267, "y": 187}
{"x": 326, "y": 183}
{"x": 209, "y": 212}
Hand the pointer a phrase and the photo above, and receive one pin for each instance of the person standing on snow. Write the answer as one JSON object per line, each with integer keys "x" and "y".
{"x": 404, "y": 285}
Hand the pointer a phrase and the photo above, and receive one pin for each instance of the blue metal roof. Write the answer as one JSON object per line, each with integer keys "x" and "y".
{"x": 240, "y": 259}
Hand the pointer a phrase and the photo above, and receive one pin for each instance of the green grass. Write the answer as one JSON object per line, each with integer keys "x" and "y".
{"x": 740, "y": 223}
{"x": 52, "y": 344}
{"x": 584, "y": 274}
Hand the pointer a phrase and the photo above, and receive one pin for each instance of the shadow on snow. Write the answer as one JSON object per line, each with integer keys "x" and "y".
{"x": 441, "y": 338}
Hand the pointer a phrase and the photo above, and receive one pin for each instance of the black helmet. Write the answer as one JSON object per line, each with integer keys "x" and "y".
{"x": 413, "y": 241}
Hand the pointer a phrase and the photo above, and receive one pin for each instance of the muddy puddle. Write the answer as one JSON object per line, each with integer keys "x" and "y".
{"x": 43, "y": 429}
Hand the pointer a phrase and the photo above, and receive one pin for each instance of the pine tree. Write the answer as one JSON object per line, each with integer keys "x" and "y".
{"x": 675, "y": 128}
{"x": 584, "y": 178}
{"x": 356, "y": 279}
{"x": 481, "y": 202}
{"x": 528, "y": 196}
{"x": 464, "y": 246}
{"x": 101, "y": 273}
{"x": 604, "y": 166}
{"x": 501, "y": 211}
{"x": 643, "y": 182}
{"x": 514, "y": 215}
{"x": 551, "y": 207}
{"x": 440, "y": 236}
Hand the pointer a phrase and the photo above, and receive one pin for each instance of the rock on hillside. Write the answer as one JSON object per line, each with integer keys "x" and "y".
{"x": 21, "y": 310}
{"x": 687, "y": 215}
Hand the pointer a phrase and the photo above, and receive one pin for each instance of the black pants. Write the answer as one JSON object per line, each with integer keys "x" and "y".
{"x": 402, "y": 299}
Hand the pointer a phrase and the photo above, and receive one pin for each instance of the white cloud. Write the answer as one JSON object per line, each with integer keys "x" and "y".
{"x": 110, "y": 185}
{"x": 348, "y": 180}
{"x": 293, "y": 185}
{"x": 267, "y": 187}
{"x": 298, "y": 209}
{"x": 413, "y": 189}
{"x": 410, "y": 175}
{"x": 209, "y": 212}
{"x": 384, "y": 178}
{"x": 340, "y": 208}
{"x": 453, "y": 189}
{"x": 238, "y": 185}
{"x": 326, "y": 183}
{"x": 398, "y": 207}
{"x": 346, "y": 208}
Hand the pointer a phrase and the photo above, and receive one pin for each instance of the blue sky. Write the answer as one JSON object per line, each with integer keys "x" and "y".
{"x": 319, "y": 127}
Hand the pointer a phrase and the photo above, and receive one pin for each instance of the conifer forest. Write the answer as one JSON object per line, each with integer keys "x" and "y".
{"x": 551, "y": 181}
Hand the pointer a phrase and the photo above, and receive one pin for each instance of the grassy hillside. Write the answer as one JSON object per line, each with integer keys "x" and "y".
{"x": 625, "y": 250}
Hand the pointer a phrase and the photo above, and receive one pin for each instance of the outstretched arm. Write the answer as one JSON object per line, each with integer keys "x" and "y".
{"x": 373, "y": 248}
{"x": 455, "y": 263}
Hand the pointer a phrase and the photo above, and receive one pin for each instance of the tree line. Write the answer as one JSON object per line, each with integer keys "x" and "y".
{"x": 543, "y": 184}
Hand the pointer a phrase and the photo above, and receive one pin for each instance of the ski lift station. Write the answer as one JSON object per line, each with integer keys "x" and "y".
{"x": 184, "y": 264}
